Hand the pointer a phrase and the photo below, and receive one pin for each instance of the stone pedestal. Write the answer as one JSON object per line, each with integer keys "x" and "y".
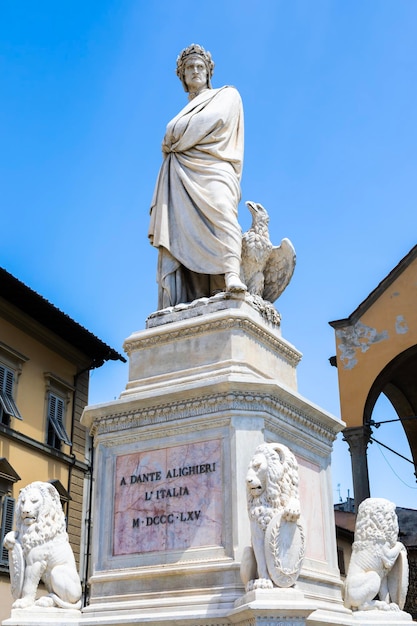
{"x": 39, "y": 616}
{"x": 208, "y": 382}
{"x": 378, "y": 618}
{"x": 276, "y": 607}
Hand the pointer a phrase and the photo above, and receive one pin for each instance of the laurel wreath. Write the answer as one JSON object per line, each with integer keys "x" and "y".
{"x": 286, "y": 576}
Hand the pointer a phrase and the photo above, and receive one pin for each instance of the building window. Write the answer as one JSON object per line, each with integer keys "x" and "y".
{"x": 58, "y": 400}
{"x": 7, "y": 515}
{"x": 8, "y": 476}
{"x": 341, "y": 561}
{"x": 8, "y": 406}
{"x": 56, "y": 434}
{"x": 11, "y": 364}
{"x": 64, "y": 496}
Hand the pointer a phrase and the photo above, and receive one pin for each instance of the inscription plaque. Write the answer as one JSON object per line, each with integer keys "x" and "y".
{"x": 168, "y": 499}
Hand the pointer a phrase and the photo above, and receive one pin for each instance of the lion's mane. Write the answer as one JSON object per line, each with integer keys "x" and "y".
{"x": 376, "y": 522}
{"x": 51, "y": 520}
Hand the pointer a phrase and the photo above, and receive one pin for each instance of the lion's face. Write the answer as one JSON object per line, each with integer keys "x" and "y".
{"x": 30, "y": 505}
{"x": 39, "y": 513}
{"x": 257, "y": 476}
{"x": 272, "y": 477}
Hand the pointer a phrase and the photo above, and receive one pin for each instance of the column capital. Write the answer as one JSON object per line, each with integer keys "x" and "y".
{"x": 357, "y": 439}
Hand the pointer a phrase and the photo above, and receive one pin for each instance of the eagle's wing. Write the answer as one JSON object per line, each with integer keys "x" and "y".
{"x": 279, "y": 270}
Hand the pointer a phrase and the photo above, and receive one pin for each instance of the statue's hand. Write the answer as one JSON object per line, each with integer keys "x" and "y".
{"x": 9, "y": 540}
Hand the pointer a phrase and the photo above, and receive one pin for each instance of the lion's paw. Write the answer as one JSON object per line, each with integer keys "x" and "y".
{"x": 23, "y": 603}
{"x": 45, "y": 601}
{"x": 291, "y": 515}
{"x": 381, "y": 605}
{"x": 259, "y": 583}
{"x": 10, "y": 540}
{"x": 291, "y": 512}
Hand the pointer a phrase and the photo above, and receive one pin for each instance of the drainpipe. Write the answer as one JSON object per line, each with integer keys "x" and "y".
{"x": 87, "y": 550}
{"x": 71, "y": 454}
{"x": 90, "y": 472}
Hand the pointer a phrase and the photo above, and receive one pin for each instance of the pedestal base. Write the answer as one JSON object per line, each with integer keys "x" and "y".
{"x": 359, "y": 618}
{"x": 39, "y": 616}
{"x": 374, "y": 618}
{"x": 208, "y": 382}
{"x": 276, "y": 607}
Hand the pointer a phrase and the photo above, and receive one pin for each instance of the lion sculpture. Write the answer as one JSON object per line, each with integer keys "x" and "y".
{"x": 274, "y": 512}
{"x": 378, "y": 566}
{"x": 39, "y": 550}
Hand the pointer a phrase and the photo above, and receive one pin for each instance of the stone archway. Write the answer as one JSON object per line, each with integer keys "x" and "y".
{"x": 377, "y": 354}
{"x": 398, "y": 382}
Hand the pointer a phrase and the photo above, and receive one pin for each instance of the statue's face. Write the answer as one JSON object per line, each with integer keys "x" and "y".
{"x": 195, "y": 73}
{"x": 30, "y": 506}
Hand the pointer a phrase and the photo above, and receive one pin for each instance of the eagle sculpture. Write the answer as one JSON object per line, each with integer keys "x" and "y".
{"x": 266, "y": 269}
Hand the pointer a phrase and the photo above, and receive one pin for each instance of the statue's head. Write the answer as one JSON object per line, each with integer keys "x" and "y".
{"x": 194, "y": 52}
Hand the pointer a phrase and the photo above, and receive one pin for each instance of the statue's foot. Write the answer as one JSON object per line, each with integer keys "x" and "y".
{"x": 233, "y": 282}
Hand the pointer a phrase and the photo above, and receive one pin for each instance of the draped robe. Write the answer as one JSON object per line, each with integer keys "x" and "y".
{"x": 194, "y": 208}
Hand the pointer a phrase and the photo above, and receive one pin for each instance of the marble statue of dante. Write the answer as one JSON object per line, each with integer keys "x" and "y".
{"x": 194, "y": 208}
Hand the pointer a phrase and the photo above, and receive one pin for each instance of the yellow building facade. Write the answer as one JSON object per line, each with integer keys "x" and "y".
{"x": 377, "y": 354}
{"x": 45, "y": 360}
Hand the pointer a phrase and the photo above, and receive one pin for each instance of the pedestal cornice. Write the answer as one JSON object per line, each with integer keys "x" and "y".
{"x": 272, "y": 402}
{"x": 212, "y": 323}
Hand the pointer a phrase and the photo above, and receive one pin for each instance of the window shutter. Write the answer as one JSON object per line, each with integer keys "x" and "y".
{"x": 6, "y": 526}
{"x": 56, "y": 409}
{"x": 60, "y": 411}
{"x": 51, "y": 406}
{"x": 8, "y": 386}
{"x": 6, "y": 392}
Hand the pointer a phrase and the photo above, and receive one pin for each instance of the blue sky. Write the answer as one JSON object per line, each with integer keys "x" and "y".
{"x": 329, "y": 90}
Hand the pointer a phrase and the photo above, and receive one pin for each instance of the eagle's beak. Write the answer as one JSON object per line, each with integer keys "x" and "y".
{"x": 252, "y": 206}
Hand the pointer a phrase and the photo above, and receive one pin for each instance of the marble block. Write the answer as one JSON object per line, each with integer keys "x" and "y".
{"x": 276, "y": 607}
{"x": 161, "y": 504}
{"x": 222, "y": 336}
